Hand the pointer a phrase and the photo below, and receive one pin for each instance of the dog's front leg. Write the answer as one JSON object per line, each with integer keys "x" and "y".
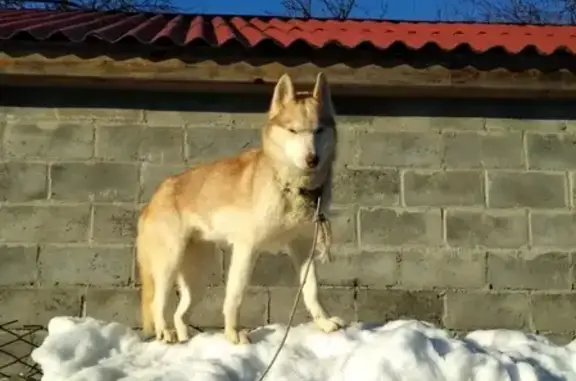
{"x": 242, "y": 263}
{"x": 324, "y": 239}
{"x": 299, "y": 251}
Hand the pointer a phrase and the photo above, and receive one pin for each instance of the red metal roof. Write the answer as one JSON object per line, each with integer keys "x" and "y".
{"x": 182, "y": 30}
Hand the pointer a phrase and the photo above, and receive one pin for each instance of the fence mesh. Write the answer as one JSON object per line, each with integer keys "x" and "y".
{"x": 16, "y": 344}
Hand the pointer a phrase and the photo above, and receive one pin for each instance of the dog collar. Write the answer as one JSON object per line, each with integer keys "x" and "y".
{"x": 311, "y": 194}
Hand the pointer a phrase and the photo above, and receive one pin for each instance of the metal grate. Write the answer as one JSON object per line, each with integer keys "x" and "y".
{"x": 16, "y": 345}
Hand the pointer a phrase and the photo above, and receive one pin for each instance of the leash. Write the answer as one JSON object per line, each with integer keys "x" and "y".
{"x": 297, "y": 299}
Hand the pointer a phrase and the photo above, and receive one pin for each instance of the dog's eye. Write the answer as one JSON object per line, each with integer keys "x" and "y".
{"x": 319, "y": 130}
{"x": 291, "y": 130}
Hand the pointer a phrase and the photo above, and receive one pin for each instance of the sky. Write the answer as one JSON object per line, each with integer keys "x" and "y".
{"x": 396, "y": 9}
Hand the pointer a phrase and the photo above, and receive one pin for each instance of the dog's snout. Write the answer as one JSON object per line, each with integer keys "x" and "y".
{"x": 312, "y": 160}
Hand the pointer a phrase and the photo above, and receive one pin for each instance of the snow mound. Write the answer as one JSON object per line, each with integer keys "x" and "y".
{"x": 85, "y": 349}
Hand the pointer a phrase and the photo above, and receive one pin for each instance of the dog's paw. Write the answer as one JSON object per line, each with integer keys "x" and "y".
{"x": 182, "y": 335}
{"x": 236, "y": 336}
{"x": 167, "y": 336}
{"x": 181, "y": 330}
{"x": 331, "y": 324}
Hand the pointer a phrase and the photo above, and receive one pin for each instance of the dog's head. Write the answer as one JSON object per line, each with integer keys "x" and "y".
{"x": 301, "y": 128}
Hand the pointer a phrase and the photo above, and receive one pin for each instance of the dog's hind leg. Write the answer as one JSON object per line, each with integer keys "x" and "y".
{"x": 196, "y": 264}
{"x": 165, "y": 245}
{"x": 184, "y": 305}
{"x": 299, "y": 251}
{"x": 164, "y": 280}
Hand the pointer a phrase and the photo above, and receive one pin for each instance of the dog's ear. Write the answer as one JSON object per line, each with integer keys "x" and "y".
{"x": 322, "y": 93}
{"x": 283, "y": 93}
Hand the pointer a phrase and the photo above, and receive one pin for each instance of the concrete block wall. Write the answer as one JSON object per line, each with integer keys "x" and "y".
{"x": 455, "y": 214}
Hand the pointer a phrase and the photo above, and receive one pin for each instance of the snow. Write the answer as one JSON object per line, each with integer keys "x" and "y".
{"x": 85, "y": 349}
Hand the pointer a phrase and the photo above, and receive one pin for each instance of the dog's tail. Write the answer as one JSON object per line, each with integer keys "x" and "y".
{"x": 146, "y": 296}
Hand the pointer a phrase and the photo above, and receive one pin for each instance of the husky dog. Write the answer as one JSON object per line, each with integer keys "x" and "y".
{"x": 261, "y": 199}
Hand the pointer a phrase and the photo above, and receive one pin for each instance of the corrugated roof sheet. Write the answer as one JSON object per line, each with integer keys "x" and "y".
{"x": 181, "y": 30}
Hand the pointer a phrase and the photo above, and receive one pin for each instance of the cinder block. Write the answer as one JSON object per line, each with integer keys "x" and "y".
{"x": 28, "y": 114}
{"x": 97, "y": 266}
{"x": 114, "y": 223}
{"x": 356, "y": 122}
{"x": 48, "y": 140}
{"x": 115, "y": 305}
{"x": 402, "y": 149}
{"x": 518, "y": 124}
{"x": 163, "y": 118}
{"x": 206, "y": 119}
{"x": 529, "y": 270}
{"x": 531, "y": 190}
{"x": 18, "y": 265}
{"x": 131, "y": 143}
{"x": 478, "y": 150}
{"x": 380, "y": 306}
{"x": 3, "y": 112}
{"x": 100, "y": 114}
{"x": 400, "y": 227}
{"x": 366, "y": 268}
{"x": 118, "y": 142}
{"x": 2, "y": 129}
{"x": 553, "y": 229}
{"x": 97, "y": 181}
{"x": 444, "y": 188}
{"x": 551, "y": 151}
{"x": 346, "y": 147}
{"x": 206, "y": 144}
{"x": 38, "y": 306}
{"x": 487, "y": 310}
{"x": 153, "y": 175}
{"x": 457, "y": 123}
{"x": 495, "y": 229}
{"x": 570, "y": 125}
{"x": 411, "y": 123}
{"x": 21, "y": 182}
{"x": 442, "y": 268}
{"x": 337, "y": 302}
{"x": 343, "y": 224}
{"x": 37, "y": 224}
{"x": 367, "y": 187}
{"x": 572, "y": 177}
{"x": 554, "y": 312}
{"x": 162, "y": 145}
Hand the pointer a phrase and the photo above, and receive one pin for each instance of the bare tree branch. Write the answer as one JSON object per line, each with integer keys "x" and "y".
{"x": 516, "y": 11}
{"x": 93, "y": 5}
{"x": 339, "y": 9}
{"x": 58, "y": 4}
{"x": 374, "y": 11}
{"x": 300, "y": 8}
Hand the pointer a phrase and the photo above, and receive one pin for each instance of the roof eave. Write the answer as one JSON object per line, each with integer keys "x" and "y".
{"x": 237, "y": 75}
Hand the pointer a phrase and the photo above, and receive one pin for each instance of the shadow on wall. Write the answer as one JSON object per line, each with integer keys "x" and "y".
{"x": 352, "y": 106}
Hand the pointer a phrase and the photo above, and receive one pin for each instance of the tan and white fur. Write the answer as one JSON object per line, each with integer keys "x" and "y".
{"x": 254, "y": 201}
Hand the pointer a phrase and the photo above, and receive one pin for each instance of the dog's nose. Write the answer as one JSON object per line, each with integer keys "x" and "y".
{"x": 312, "y": 161}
